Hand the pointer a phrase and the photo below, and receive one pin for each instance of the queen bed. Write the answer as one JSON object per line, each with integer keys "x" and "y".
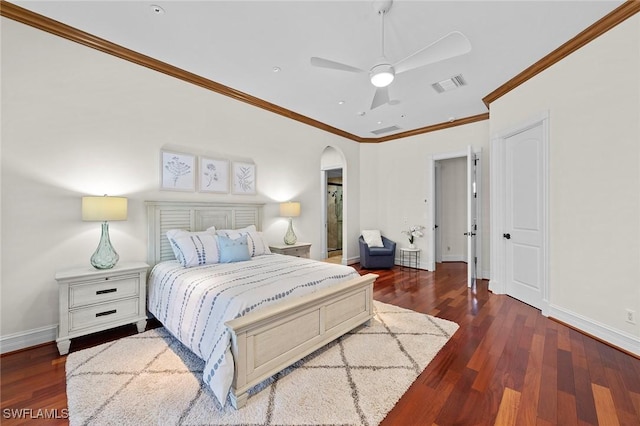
{"x": 246, "y": 318}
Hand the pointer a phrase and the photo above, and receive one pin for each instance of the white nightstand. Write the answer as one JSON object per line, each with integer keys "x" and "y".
{"x": 93, "y": 300}
{"x": 297, "y": 249}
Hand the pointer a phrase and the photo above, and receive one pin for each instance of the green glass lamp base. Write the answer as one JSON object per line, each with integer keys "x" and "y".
{"x": 105, "y": 257}
{"x": 290, "y": 237}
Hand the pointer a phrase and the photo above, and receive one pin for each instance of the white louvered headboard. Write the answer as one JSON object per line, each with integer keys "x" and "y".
{"x": 194, "y": 216}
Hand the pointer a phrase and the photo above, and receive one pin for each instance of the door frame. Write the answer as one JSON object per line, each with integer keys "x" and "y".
{"x": 473, "y": 201}
{"x": 327, "y": 172}
{"x": 498, "y": 206}
{"x": 431, "y": 193}
{"x": 437, "y": 215}
{"x": 334, "y": 163}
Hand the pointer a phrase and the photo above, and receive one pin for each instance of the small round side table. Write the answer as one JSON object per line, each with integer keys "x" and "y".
{"x": 412, "y": 256}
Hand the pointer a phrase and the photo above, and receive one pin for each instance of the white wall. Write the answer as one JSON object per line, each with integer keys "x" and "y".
{"x": 593, "y": 98}
{"x": 395, "y": 176}
{"x": 78, "y": 122}
{"x": 370, "y": 192}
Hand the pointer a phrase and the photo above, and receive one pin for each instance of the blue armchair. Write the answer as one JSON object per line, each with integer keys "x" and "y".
{"x": 377, "y": 257}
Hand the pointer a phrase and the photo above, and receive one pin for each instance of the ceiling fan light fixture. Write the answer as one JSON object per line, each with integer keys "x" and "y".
{"x": 382, "y": 75}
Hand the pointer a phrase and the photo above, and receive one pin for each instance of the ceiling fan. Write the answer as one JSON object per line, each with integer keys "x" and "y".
{"x": 382, "y": 73}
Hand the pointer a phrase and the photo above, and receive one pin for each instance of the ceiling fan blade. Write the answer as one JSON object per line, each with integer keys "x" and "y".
{"x": 326, "y": 63}
{"x": 380, "y": 98}
{"x": 449, "y": 46}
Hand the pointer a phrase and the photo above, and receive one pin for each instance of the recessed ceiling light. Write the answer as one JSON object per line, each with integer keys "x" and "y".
{"x": 380, "y": 122}
{"x": 157, "y": 9}
{"x": 361, "y": 113}
{"x": 276, "y": 69}
{"x": 340, "y": 102}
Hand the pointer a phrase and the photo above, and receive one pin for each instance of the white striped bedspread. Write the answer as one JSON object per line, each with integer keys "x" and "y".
{"x": 194, "y": 303}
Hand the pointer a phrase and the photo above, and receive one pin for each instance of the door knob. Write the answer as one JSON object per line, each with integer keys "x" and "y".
{"x": 507, "y": 236}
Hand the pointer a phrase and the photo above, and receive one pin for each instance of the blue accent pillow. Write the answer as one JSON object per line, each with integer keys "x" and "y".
{"x": 257, "y": 244}
{"x": 235, "y": 250}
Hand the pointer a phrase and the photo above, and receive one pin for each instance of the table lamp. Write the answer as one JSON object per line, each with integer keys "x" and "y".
{"x": 104, "y": 209}
{"x": 290, "y": 209}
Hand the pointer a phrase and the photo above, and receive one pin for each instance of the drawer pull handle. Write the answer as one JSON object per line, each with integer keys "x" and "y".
{"x": 109, "y": 290}
{"x": 101, "y": 314}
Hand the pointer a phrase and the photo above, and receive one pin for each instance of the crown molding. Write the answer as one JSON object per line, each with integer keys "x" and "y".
{"x": 615, "y": 17}
{"x": 427, "y": 129}
{"x": 27, "y": 17}
{"x": 32, "y": 19}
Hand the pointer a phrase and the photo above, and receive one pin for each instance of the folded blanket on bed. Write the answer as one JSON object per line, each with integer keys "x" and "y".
{"x": 194, "y": 303}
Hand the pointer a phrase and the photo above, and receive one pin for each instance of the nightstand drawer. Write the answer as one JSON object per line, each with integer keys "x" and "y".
{"x": 103, "y": 290}
{"x": 102, "y": 314}
{"x": 298, "y": 251}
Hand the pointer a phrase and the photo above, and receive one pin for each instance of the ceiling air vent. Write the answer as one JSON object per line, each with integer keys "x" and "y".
{"x": 385, "y": 130}
{"x": 449, "y": 84}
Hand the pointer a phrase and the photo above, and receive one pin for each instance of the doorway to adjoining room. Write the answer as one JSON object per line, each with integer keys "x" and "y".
{"x": 334, "y": 214}
{"x": 447, "y": 195}
{"x": 334, "y": 205}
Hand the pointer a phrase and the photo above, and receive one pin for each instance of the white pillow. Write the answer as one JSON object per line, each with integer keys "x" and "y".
{"x": 257, "y": 245}
{"x": 372, "y": 237}
{"x": 194, "y": 248}
{"x": 236, "y": 233}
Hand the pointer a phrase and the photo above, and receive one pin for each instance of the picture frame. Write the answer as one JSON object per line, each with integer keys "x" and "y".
{"x": 244, "y": 178}
{"x": 214, "y": 175}
{"x": 177, "y": 171}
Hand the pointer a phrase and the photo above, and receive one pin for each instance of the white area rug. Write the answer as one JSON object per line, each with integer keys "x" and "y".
{"x": 151, "y": 379}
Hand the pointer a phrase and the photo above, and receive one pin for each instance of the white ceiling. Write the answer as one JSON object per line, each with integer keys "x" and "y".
{"x": 238, "y": 44}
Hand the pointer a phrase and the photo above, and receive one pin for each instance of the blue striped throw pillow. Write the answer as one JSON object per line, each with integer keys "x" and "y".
{"x": 194, "y": 248}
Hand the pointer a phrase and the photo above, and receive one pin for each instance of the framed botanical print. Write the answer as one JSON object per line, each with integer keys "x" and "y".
{"x": 178, "y": 171}
{"x": 214, "y": 175}
{"x": 244, "y": 178}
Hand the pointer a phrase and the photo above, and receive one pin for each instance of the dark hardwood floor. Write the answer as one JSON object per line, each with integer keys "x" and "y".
{"x": 506, "y": 365}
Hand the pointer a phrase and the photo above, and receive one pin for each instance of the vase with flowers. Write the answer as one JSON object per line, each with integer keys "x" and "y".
{"x": 413, "y": 232}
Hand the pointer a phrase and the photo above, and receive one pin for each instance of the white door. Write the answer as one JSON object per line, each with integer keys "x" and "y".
{"x": 437, "y": 234}
{"x": 523, "y": 225}
{"x": 472, "y": 220}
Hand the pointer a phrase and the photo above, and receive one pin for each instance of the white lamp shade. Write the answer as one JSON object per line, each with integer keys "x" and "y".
{"x": 290, "y": 209}
{"x": 101, "y": 209}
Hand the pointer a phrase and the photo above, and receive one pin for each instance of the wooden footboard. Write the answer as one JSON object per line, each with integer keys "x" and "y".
{"x": 269, "y": 340}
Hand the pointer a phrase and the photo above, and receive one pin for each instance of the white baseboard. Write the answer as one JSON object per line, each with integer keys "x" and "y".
{"x": 610, "y": 335}
{"x": 25, "y": 339}
{"x": 352, "y": 260}
{"x": 485, "y": 275}
{"x": 454, "y": 258}
{"x": 424, "y": 264}
{"x": 409, "y": 264}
